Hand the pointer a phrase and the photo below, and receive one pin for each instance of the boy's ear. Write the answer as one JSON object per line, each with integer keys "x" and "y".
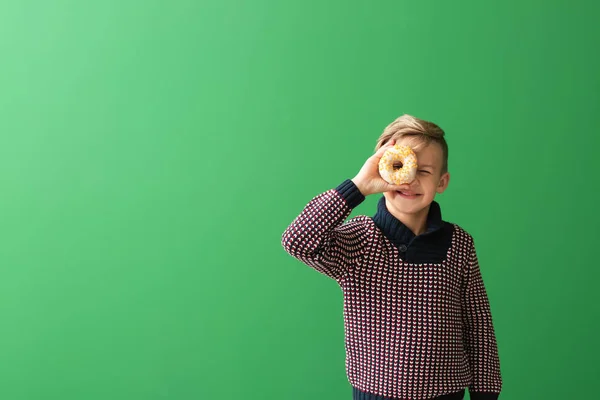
{"x": 444, "y": 180}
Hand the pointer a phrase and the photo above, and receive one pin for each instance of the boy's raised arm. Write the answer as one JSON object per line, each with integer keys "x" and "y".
{"x": 479, "y": 335}
{"x": 318, "y": 237}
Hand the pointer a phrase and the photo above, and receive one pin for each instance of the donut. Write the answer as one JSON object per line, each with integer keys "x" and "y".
{"x": 394, "y": 155}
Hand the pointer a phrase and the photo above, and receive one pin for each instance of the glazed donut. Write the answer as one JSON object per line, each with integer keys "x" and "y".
{"x": 399, "y": 153}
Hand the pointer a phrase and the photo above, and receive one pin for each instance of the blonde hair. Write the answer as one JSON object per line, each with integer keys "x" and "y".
{"x": 424, "y": 132}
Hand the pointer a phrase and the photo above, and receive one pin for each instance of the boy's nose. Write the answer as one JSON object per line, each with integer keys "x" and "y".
{"x": 412, "y": 186}
{"x": 409, "y": 186}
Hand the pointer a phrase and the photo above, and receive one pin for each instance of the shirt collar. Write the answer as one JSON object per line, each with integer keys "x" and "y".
{"x": 396, "y": 231}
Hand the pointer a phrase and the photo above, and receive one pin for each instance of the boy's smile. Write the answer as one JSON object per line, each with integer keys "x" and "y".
{"x": 407, "y": 194}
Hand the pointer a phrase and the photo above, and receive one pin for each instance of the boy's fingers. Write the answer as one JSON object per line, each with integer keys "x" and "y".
{"x": 383, "y": 148}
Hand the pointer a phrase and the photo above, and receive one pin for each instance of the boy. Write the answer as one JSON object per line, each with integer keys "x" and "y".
{"x": 417, "y": 319}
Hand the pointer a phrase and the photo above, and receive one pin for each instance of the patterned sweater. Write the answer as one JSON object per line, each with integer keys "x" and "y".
{"x": 417, "y": 319}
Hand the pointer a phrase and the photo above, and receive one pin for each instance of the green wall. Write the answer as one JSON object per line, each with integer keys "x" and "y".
{"x": 152, "y": 153}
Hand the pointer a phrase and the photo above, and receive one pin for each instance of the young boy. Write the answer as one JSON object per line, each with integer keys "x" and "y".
{"x": 416, "y": 313}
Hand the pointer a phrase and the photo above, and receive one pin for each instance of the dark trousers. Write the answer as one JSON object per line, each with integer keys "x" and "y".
{"x": 452, "y": 396}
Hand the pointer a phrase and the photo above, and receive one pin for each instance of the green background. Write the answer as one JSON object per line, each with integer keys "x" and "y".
{"x": 152, "y": 153}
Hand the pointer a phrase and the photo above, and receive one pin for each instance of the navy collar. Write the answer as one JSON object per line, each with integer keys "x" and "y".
{"x": 396, "y": 231}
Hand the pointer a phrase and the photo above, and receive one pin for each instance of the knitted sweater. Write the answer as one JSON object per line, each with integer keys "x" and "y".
{"x": 417, "y": 319}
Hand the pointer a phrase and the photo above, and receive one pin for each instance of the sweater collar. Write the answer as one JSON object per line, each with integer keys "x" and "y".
{"x": 396, "y": 231}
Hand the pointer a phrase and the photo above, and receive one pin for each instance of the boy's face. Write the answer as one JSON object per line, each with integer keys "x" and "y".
{"x": 428, "y": 182}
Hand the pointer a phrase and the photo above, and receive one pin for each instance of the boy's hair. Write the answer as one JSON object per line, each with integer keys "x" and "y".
{"x": 423, "y": 131}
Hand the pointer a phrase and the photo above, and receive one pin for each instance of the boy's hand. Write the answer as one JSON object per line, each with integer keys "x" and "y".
{"x": 368, "y": 179}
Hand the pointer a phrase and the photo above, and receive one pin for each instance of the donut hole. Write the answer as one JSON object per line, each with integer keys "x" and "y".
{"x": 397, "y": 166}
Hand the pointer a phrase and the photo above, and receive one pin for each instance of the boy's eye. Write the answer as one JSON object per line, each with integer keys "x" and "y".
{"x": 424, "y": 171}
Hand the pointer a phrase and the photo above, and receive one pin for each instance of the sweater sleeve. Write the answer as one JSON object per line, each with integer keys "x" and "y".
{"x": 479, "y": 335}
{"x": 319, "y": 238}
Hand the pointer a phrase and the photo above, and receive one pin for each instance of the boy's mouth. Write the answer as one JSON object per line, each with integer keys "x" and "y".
{"x": 408, "y": 195}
